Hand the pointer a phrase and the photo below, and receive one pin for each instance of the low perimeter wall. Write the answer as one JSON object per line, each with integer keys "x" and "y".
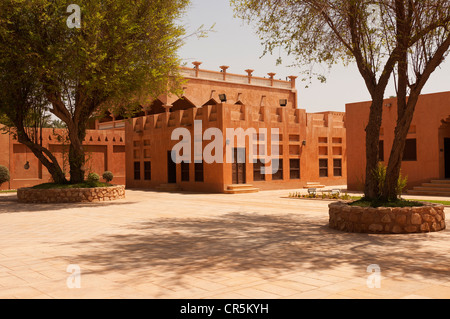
{"x": 355, "y": 219}
{"x": 74, "y": 195}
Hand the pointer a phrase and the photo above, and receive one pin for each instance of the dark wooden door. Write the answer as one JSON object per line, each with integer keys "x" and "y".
{"x": 239, "y": 166}
{"x": 171, "y": 169}
{"x": 447, "y": 157}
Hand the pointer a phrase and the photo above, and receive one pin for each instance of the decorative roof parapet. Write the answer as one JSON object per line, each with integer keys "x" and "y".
{"x": 223, "y": 75}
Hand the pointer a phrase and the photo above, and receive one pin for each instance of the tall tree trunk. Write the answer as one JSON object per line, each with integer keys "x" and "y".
{"x": 77, "y": 158}
{"x": 406, "y": 109}
{"x": 406, "y": 114}
{"x": 371, "y": 190}
{"x": 77, "y": 126}
{"x": 390, "y": 191}
{"x": 76, "y": 163}
{"x": 45, "y": 156}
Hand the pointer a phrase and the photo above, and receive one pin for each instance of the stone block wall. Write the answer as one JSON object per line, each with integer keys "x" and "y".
{"x": 74, "y": 195}
{"x": 383, "y": 220}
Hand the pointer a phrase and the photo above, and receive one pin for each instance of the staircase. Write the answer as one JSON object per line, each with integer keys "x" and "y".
{"x": 169, "y": 188}
{"x": 241, "y": 189}
{"x": 434, "y": 188}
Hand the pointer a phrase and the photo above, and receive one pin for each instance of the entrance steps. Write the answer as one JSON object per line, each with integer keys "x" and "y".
{"x": 433, "y": 188}
{"x": 314, "y": 185}
{"x": 241, "y": 189}
{"x": 169, "y": 188}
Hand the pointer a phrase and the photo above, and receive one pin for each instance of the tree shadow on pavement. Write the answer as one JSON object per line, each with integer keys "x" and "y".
{"x": 259, "y": 243}
{"x": 9, "y": 204}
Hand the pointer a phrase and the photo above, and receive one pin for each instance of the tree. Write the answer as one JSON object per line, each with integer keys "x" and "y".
{"x": 123, "y": 53}
{"x": 418, "y": 60}
{"x": 22, "y": 101}
{"x": 404, "y": 39}
{"x": 4, "y": 175}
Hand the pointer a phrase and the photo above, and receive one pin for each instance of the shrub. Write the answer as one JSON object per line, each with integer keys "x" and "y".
{"x": 93, "y": 177}
{"x": 401, "y": 184}
{"x": 108, "y": 176}
{"x": 4, "y": 175}
{"x": 380, "y": 175}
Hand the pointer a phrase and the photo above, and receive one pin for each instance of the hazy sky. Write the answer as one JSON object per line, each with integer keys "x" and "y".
{"x": 235, "y": 43}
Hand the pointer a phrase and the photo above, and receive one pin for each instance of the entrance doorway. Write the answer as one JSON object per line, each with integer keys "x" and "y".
{"x": 239, "y": 166}
{"x": 171, "y": 168}
{"x": 447, "y": 157}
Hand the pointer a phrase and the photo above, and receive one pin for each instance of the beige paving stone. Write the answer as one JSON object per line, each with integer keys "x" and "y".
{"x": 188, "y": 293}
{"x": 293, "y": 285}
{"x": 324, "y": 277}
{"x": 337, "y": 296}
{"x": 254, "y": 293}
{"x": 12, "y": 281}
{"x": 336, "y": 287}
{"x": 22, "y": 293}
{"x": 415, "y": 297}
{"x": 207, "y": 285}
{"x": 276, "y": 289}
{"x": 404, "y": 285}
{"x": 227, "y": 295}
{"x": 33, "y": 277}
{"x": 360, "y": 294}
{"x": 161, "y": 245}
{"x": 434, "y": 292}
{"x": 312, "y": 294}
{"x": 310, "y": 281}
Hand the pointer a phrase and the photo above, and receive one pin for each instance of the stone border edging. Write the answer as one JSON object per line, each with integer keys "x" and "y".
{"x": 70, "y": 195}
{"x": 386, "y": 220}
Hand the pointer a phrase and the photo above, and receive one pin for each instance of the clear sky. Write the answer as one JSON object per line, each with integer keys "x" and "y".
{"x": 235, "y": 43}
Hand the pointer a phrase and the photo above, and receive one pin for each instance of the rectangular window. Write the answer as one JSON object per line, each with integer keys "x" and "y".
{"x": 294, "y": 166}
{"x": 381, "y": 151}
{"x": 137, "y": 171}
{"x": 199, "y": 174}
{"x": 147, "y": 171}
{"x": 184, "y": 172}
{"x": 257, "y": 175}
{"x": 337, "y": 167}
{"x": 294, "y": 138}
{"x": 410, "y": 154}
{"x": 278, "y": 175}
{"x": 323, "y": 167}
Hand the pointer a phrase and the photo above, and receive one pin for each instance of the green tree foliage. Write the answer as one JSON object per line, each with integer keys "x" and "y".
{"x": 4, "y": 175}
{"x": 108, "y": 176}
{"x": 404, "y": 39}
{"x": 124, "y": 53}
{"x": 93, "y": 177}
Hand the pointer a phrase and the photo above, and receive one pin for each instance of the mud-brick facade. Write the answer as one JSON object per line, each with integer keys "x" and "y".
{"x": 105, "y": 150}
{"x": 427, "y": 152}
{"x": 311, "y": 148}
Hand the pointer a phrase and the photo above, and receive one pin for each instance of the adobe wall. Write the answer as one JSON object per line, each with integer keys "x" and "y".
{"x": 425, "y": 128}
{"x": 149, "y": 140}
{"x": 105, "y": 150}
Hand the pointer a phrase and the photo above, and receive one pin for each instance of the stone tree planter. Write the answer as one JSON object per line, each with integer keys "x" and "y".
{"x": 385, "y": 220}
{"x": 70, "y": 195}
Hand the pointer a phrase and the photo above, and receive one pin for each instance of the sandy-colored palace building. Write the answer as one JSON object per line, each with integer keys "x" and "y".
{"x": 298, "y": 149}
{"x": 308, "y": 149}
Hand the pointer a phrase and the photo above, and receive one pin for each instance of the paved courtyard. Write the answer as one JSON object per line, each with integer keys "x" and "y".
{"x": 161, "y": 245}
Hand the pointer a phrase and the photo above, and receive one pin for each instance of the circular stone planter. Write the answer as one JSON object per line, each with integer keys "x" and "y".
{"x": 70, "y": 195}
{"x": 386, "y": 220}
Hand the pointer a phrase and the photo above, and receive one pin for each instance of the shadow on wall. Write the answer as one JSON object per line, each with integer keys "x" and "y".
{"x": 257, "y": 243}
